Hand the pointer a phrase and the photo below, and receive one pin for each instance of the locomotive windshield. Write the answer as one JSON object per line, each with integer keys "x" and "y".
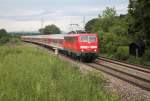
{"x": 87, "y": 38}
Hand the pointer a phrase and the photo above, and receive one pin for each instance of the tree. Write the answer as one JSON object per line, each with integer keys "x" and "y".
{"x": 4, "y": 36}
{"x": 89, "y": 25}
{"x": 107, "y": 19}
{"x": 50, "y": 29}
{"x": 120, "y": 25}
{"x": 3, "y": 33}
{"x": 109, "y": 12}
{"x": 139, "y": 15}
{"x": 41, "y": 30}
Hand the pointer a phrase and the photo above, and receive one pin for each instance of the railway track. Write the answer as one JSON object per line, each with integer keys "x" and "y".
{"x": 127, "y": 72}
{"x": 134, "y": 66}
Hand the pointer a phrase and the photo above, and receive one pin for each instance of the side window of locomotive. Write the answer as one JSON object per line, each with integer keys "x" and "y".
{"x": 73, "y": 39}
{"x": 84, "y": 38}
{"x": 92, "y": 38}
{"x": 70, "y": 39}
{"x": 66, "y": 38}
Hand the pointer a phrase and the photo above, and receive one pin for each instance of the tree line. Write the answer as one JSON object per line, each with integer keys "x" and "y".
{"x": 50, "y": 29}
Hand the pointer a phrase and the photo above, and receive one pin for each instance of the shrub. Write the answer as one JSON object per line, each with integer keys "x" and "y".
{"x": 122, "y": 53}
{"x": 14, "y": 40}
{"x": 4, "y": 40}
{"x": 111, "y": 47}
{"x": 146, "y": 55}
{"x": 135, "y": 60}
{"x": 110, "y": 43}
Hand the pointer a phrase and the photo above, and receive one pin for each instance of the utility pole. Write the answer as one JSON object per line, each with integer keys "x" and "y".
{"x": 42, "y": 22}
{"x": 84, "y": 23}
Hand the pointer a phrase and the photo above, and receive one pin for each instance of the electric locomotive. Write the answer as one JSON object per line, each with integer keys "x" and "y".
{"x": 82, "y": 45}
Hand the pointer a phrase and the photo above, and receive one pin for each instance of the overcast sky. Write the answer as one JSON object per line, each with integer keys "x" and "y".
{"x": 27, "y": 15}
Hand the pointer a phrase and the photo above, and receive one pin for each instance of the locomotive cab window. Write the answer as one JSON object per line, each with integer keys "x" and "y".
{"x": 84, "y": 38}
{"x": 88, "y": 38}
{"x": 92, "y": 38}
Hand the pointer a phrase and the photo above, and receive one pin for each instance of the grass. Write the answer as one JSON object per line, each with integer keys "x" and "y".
{"x": 31, "y": 74}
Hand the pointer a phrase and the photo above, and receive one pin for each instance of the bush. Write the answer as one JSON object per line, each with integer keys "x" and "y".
{"x": 135, "y": 60}
{"x": 122, "y": 53}
{"x": 111, "y": 47}
{"x": 146, "y": 55}
{"x": 110, "y": 42}
{"x": 4, "y": 36}
{"x": 14, "y": 40}
{"x": 4, "y": 40}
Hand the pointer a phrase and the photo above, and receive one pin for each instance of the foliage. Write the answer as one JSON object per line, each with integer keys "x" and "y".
{"x": 109, "y": 12}
{"x": 3, "y": 31}
{"x": 135, "y": 60}
{"x": 122, "y": 53}
{"x": 122, "y": 30}
{"x": 139, "y": 16}
{"x": 4, "y": 36}
{"x": 106, "y": 23}
{"x": 50, "y": 29}
{"x": 109, "y": 22}
{"x": 89, "y": 25}
{"x": 146, "y": 55}
{"x": 4, "y": 40}
{"x": 120, "y": 25}
{"x": 110, "y": 43}
{"x": 115, "y": 32}
{"x": 107, "y": 19}
{"x": 31, "y": 74}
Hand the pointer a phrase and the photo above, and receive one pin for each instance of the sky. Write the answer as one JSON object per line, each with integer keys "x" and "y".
{"x": 30, "y": 15}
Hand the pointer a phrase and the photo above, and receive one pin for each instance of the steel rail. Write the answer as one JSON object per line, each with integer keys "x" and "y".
{"x": 142, "y": 83}
{"x": 128, "y": 65}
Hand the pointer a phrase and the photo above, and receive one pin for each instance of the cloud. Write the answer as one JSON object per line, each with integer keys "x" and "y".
{"x": 34, "y": 15}
{"x": 27, "y": 14}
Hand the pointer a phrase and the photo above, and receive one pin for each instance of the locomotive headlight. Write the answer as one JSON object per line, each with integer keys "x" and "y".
{"x": 82, "y": 50}
{"x": 83, "y": 47}
{"x": 95, "y": 50}
{"x": 93, "y": 46}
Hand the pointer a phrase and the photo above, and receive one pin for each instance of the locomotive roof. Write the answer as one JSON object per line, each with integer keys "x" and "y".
{"x": 80, "y": 34}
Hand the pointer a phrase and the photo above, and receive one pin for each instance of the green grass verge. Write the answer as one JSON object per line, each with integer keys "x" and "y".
{"x": 30, "y": 74}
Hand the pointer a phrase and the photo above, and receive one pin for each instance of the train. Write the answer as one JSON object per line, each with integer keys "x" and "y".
{"x": 83, "y": 46}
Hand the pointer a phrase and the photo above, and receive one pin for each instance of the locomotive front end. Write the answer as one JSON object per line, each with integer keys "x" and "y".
{"x": 88, "y": 44}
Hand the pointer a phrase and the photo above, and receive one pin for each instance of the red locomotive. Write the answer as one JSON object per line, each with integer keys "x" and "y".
{"x": 82, "y": 45}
